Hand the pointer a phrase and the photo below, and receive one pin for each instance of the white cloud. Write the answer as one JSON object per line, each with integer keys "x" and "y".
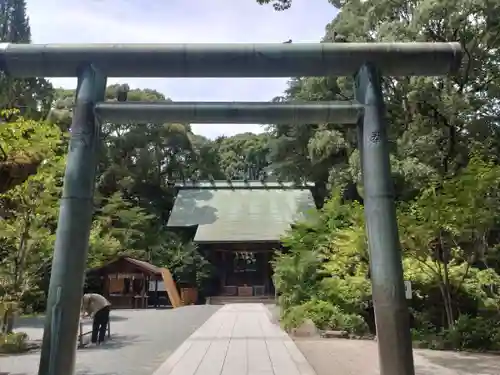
{"x": 183, "y": 21}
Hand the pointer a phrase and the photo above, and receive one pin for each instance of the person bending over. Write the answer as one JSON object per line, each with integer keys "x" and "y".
{"x": 97, "y": 307}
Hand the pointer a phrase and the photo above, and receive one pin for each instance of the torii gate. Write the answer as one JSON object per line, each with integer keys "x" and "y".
{"x": 93, "y": 63}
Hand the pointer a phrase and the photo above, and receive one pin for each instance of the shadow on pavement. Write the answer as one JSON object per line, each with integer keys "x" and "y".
{"x": 116, "y": 342}
{"x": 473, "y": 363}
{"x": 39, "y": 321}
{"x": 84, "y": 372}
{"x": 139, "y": 343}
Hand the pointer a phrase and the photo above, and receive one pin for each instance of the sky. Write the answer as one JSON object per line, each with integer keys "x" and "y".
{"x": 183, "y": 21}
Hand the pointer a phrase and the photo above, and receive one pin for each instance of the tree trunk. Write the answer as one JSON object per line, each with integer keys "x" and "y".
{"x": 447, "y": 290}
{"x": 448, "y": 307}
{"x": 10, "y": 321}
{"x": 8, "y": 318}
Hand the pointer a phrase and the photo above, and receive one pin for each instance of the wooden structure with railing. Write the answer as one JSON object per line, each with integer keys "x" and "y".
{"x": 126, "y": 283}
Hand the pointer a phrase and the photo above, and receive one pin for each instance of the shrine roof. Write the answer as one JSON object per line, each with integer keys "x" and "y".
{"x": 241, "y": 211}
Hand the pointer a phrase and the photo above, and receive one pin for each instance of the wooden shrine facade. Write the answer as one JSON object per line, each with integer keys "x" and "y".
{"x": 241, "y": 269}
{"x": 129, "y": 283}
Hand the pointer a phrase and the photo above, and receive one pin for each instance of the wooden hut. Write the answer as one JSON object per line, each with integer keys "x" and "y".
{"x": 129, "y": 283}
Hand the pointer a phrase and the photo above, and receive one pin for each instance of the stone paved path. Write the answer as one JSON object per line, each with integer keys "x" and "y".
{"x": 239, "y": 339}
{"x": 358, "y": 357}
{"x": 141, "y": 341}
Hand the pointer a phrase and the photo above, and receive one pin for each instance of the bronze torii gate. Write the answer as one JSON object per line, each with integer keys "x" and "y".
{"x": 92, "y": 64}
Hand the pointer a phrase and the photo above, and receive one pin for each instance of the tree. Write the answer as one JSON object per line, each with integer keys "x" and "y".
{"x": 447, "y": 230}
{"x": 325, "y": 265}
{"x": 138, "y": 160}
{"x": 120, "y": 228}
{"x": 184, "y": 260}
{"x": 325, "y": 153}
{"x": 435, "y": 122}
{"x": 32, "y": 97}
{"x": 24, "y": 145}
{"x": 280, "y": 5}
{"x": 29, "y": 210}
{"x": 134, "y": 195}
{"x": 243, "y": 156}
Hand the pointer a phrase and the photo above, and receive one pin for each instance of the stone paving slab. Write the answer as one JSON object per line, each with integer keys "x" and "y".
{"x": 238, "y": 339}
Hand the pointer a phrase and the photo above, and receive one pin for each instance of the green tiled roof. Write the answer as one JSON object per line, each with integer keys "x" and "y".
{"x": 239, "y": 184}
{"x": 240, "y": 214}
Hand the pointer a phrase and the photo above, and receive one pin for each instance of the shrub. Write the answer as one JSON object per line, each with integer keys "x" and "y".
{"x": 467, "y": 333}
{"x": 473, "y": 333}
{"x": 351, "y": 293}
{"x": 321, "y": 313}
{"x": 352, "y": 323}
{"x": 13, "y": 342}
{"x": 295, "y": 277}
{"x": 325, "y": 316}
{"x": 293, "y": 317}
{"x": 324, "y": 273}
{"x": 33, "y": 301}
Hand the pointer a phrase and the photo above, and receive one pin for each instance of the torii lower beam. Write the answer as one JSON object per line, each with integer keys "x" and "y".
{"x": 230, "y": 112}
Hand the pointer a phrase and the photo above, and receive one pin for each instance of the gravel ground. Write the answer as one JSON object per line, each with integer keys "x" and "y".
{"x": 141, "y": 340}
{"x": 360, "y": 357}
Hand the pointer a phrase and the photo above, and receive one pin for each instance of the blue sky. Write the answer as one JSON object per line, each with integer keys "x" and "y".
{"x": 183, "y": 21}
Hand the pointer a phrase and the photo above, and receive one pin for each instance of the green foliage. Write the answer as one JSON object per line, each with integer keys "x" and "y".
{"x": 244, "y": 155}
{"x": 295, "y": 277}
{"x": 281, "y": 5}
{"x": 24, "y": 144}
{"x": 29, "y": 209}
{"x": 119, "y": 228}
{"x": 322, "y": 275}
{"x": 31, "y": 97}
{"x": 133, "y": 197}
{"x": 445, "y": 230}
{"x": 444, "y": 140}
{"x": 185, "y": 261}
{"x": 473, "y": 332}
{"x": 325, "y": 316}
{"x": 28, "y": 138}
{"x": 468, "y": 333}
{"x": 446, "y": 235}
{"x": 278, "y": 5}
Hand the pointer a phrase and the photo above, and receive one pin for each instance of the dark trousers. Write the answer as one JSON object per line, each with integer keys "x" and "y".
{"x": 100, "y": 324}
